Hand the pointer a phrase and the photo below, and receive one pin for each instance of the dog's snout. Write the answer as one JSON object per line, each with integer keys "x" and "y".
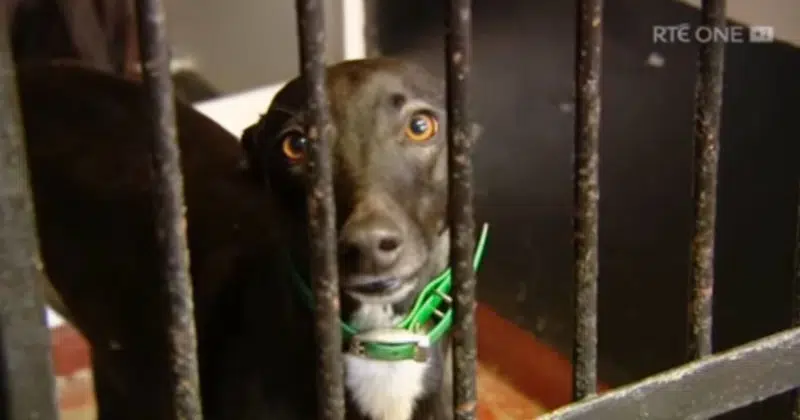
{"x": 372, "y": 245}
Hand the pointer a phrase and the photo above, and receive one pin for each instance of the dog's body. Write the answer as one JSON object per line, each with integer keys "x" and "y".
{"x": 88, "y": 148}
{"x": 89, "y": 158}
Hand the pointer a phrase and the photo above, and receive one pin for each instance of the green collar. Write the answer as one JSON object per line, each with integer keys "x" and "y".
{"x": 406, "y": 341}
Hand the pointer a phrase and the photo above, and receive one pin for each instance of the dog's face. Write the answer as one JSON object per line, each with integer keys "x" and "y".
{"x": 389, "y": 151}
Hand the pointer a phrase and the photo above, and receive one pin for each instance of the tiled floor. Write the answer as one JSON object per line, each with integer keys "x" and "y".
{"x": 75, "y": 396}
{"x": 499, "y": 400}
{"x": 73, "y": 374}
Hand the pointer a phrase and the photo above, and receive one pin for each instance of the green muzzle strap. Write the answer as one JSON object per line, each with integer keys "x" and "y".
{"x": 408, "y": 340}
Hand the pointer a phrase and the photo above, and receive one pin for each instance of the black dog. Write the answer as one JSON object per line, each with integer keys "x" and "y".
{"x": 248, "y": 241}
{"x": 390, "y": 171}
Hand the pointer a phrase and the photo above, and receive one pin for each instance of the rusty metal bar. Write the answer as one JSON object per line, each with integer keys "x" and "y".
{"x": 586, "y": 194}
{"x": 458, "y": 44}
{"x": 708, "y": 107}
{"x": 27, "y": 386}
{"x": 708, "y": 387}
{"x": 796, "y": 295}
{"x": 321, "y": 213}
{"x": 371, "y": 34}
{"x": 170, "y": 209}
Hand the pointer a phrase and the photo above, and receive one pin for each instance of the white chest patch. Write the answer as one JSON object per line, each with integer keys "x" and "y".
{"x": 382, "y": 390}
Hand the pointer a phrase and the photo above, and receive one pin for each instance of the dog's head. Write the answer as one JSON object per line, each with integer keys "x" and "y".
{"x": 389, "y": 151}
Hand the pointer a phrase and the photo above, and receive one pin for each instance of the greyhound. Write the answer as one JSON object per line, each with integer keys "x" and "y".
{"x": 89, "y": 154}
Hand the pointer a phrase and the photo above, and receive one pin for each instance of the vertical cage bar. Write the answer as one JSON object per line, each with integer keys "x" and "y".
{"x": 170, "y": 209}
{"x": 586, "y": 192}
{"x": 27, "y": 386}
{"x": 321, "y": 213}
{"x": 460, "y": 207}
{"x": 371, "y": 34}
{"x": 708, "y": 106}
{"x": 796, "y": 295}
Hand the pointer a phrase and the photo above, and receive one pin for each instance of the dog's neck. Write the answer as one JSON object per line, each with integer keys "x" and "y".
{"x": 366, "y": 379}
{"x": 391, "y": 390}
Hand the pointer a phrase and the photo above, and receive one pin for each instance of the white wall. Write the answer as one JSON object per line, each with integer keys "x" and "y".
{"x": 239, "y": 44}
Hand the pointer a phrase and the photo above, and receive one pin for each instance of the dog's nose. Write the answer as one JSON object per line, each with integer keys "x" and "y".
{"x": 371, "y": 245}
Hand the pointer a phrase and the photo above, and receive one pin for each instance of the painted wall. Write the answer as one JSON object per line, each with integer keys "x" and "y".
{"x": 242, "y": 44}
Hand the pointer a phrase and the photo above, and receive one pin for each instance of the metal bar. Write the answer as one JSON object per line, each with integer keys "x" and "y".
{"x": 170, "y": 209}
{"x": 27, "y": 386}
{"x": 708, "y": 107}
{"x": 371, "y": 33}
{"x": 321, "y": 213}
{"x": 586, "y": 195}
{"x": 708, "y": 387}
{"x": 796, "y": 295}
{"x": 458, "y": 44}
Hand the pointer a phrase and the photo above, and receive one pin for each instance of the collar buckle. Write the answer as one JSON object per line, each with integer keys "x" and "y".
{"x": 391, "y": 344}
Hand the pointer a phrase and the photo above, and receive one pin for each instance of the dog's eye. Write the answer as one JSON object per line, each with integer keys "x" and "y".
{"x": 421, "y": 127}
{"x": 293, "y": 146}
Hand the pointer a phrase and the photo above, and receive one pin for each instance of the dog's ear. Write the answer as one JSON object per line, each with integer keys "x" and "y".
{"x": 252, "y": 163}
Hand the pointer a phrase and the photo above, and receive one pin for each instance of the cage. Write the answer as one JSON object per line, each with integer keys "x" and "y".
{"x": 588, "y": 263}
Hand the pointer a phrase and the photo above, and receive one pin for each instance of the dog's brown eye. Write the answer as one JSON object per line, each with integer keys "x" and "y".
{"x": 421, "y": 127}
{"x": 294, "y": 146}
